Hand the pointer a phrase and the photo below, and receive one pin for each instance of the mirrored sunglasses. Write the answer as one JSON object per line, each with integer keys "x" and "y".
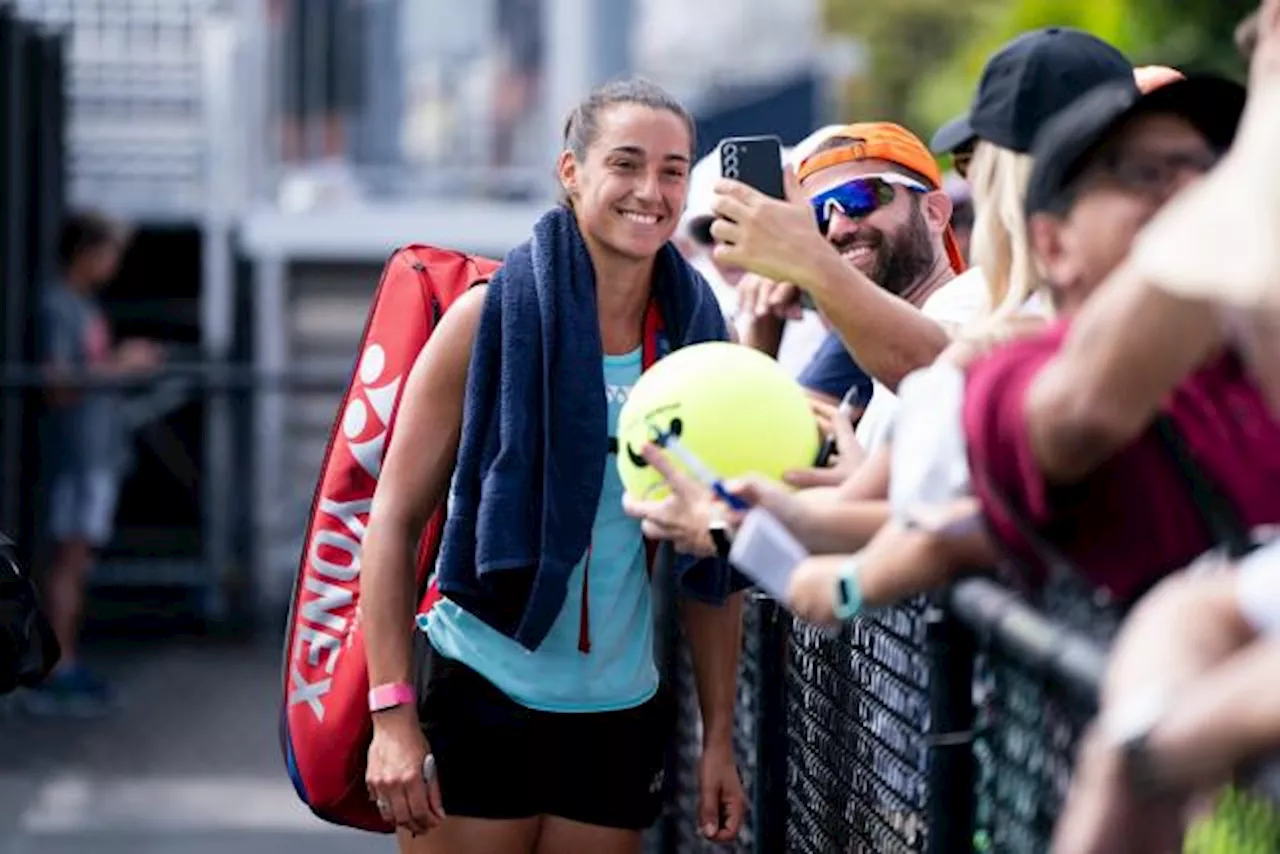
{"x": 861, "y": 197}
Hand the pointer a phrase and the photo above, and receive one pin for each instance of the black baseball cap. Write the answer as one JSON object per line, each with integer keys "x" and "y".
{"x": 1212, "y": 105}
{"x": 1027, "y": 81}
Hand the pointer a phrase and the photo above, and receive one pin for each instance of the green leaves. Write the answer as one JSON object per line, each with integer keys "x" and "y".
{"x": 925, "y": 56}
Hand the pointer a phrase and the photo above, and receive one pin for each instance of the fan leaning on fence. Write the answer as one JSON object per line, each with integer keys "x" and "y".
{"x": 1191, "y": 699}
{"x": 1069, "y": 430}
{"x": 1063, "y": 451}
{"x": 1131, "y": 343}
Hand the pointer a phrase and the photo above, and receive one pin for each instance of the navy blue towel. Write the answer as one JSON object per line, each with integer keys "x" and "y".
{"x": 534, "y": 438}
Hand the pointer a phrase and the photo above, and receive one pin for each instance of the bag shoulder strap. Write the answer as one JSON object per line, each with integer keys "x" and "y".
{"x": 1226, "y": 527}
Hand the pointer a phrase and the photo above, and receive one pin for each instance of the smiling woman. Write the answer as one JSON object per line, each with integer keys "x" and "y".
{"x": 625, "y": 167}
{"x": 538, "y": 723}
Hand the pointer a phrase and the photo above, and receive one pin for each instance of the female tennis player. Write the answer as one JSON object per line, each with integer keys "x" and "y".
{"x": 538, "y": 723}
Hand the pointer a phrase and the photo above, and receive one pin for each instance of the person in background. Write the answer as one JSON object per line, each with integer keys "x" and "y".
{"x": 323, "y": 57}
{"x": 1048, "y": 452}
{"x": 693, "y": 235}
{"x": 961, "y": 210}
{"x": 1022, "y": 85}
{"x": 85, "y": 442}
{"x": 521, "y": 38}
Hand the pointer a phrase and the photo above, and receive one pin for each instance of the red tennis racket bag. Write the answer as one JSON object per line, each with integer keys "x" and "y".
{"x": 325, "y": 726}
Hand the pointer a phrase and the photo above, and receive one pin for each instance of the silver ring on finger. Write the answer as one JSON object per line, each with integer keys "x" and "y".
{"x": 428, "y": 768}
{"x": 383, "y": 805}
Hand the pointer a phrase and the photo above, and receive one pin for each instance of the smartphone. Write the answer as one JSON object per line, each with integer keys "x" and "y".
{"x": 755, "y": 161}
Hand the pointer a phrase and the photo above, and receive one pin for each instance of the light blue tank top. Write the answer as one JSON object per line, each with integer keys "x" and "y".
{"x": 619, "y": 671}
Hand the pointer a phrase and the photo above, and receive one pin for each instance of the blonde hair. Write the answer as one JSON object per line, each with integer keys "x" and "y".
{"x": 999, "y": 243}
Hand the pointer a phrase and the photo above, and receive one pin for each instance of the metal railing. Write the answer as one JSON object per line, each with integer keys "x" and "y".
{"x": 197, "y": 450}
{"x": 944, "y": 725}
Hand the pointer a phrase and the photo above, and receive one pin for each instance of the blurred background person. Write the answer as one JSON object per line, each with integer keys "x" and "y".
{"x": 961, "y": 211}
{"x": 519, "y": 84}
{"x": 323, "y": 71}
{"x": 86, "y": 442}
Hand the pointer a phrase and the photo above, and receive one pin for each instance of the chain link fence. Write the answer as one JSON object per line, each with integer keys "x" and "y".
{"x": 942, "y": 725}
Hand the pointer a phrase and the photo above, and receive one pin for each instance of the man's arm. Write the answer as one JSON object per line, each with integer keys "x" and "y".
{"x": 891, "y": 337}
{"x": 1222, "y": 702}
{"x": 1230, "y": 718}
{"x": 1181, "y": 629}
{"x": 1188, "y": 652}
{"x": 780, "y": 241}
{"x": 1128, "y": 348}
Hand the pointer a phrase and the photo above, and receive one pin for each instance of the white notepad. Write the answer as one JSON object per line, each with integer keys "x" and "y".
{"x": 766, "y": 552}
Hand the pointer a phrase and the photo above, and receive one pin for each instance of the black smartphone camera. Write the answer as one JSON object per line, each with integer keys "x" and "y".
{"x": 755, "y": 161}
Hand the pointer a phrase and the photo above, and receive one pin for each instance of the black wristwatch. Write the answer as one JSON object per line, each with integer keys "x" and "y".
{"x": 1129, "y": 730}
{"x": 719, "y": 530}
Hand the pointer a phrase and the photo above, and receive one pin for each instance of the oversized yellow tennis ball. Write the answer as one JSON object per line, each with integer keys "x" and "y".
{"x": 733, "y": 408}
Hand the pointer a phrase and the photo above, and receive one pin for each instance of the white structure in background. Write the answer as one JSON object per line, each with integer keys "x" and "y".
{"x": 135, "y": 104}
{"x": 690, "y": 47}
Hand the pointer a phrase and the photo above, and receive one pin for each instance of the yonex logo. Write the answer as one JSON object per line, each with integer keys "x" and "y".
{"x": 333, "y": 554}
{"x": 356, "y": 423}
{"x": 616, "y": 393}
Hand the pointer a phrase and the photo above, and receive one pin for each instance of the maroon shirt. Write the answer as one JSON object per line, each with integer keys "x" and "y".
{"x": 1132, "y": 520}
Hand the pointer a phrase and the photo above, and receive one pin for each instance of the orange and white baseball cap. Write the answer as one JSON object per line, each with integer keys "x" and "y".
{"x": 892, "y": 143}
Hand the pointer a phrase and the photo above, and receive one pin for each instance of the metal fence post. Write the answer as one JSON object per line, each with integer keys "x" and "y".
{"x": 951, "y": 771}
{"x": 771, "y": 730}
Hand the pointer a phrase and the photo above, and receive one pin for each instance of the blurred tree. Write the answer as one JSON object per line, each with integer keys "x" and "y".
{"x": 926, "y": 55}
{"x": 906, "y": 41}
{"x": 1195, "y": 35}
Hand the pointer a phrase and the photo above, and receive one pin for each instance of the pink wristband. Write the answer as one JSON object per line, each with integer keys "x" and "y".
{"x": 389, "y": 696}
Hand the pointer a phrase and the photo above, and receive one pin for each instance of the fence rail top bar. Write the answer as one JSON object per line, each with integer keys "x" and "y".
{"x": 1005, "y": 619}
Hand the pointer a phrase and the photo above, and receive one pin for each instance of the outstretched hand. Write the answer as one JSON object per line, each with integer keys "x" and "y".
{"x": 773, "y": 238}
{"x": 849, "y": 454}
{"x": 685, "y": 515}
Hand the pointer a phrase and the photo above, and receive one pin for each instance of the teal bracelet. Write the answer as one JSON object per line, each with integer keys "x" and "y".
{"x": 848, "y": 593}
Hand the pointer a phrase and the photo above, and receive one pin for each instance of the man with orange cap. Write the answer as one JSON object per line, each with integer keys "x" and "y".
{"x": 865, "y": 230}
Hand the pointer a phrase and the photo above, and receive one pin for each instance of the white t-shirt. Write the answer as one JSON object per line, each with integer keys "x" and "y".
{"x": 1258, "y": 596}
{"x": 956, "y": 304}
{"x": 1258, "y": 588}
{"x": 800, "y": 341}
